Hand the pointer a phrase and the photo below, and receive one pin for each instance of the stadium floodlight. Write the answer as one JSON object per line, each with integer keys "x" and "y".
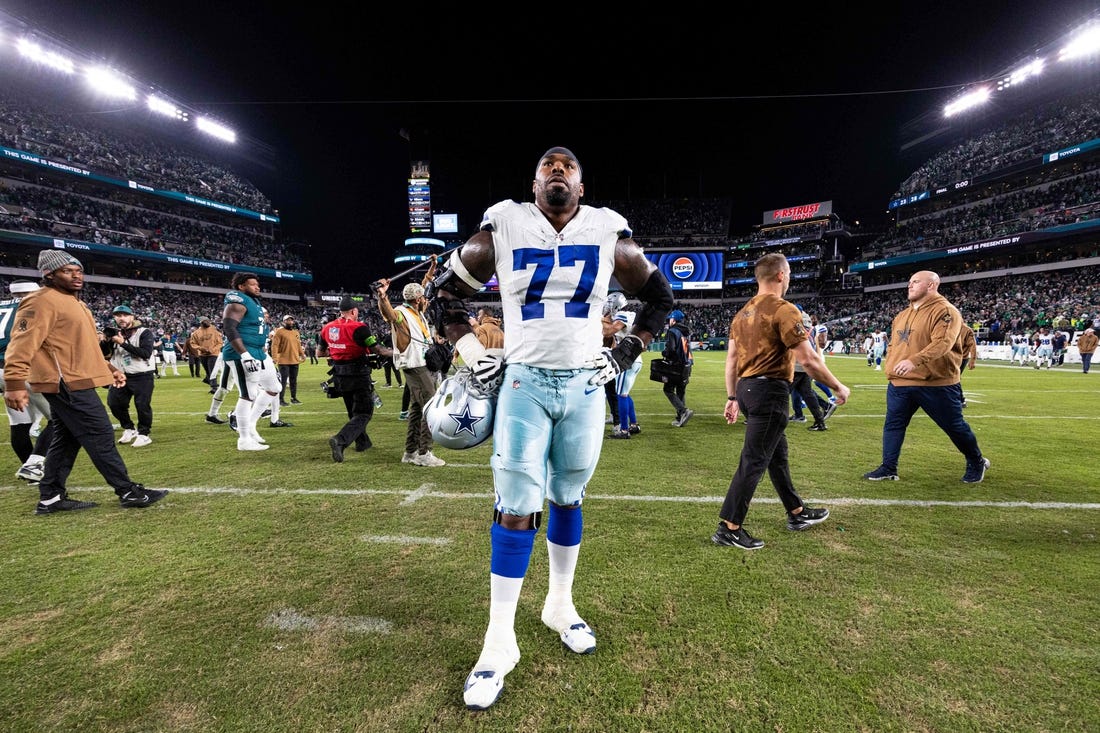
{"x": 31, "y": 50}
{"x": 106, "y": 82}
{"x": 164, "y": 107}
{"x": 216, "y": 129}
{"x": 1085, "y": 43}
{"x": 967, "y": 101}
{"x": 1021, "y": 74}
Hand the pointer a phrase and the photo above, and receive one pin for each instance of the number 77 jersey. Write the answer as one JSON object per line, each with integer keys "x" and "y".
{"x": 553, "y": 285}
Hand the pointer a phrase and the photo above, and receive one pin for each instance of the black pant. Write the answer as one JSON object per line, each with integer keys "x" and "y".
{"x": 804, "y": 386}
{"x": 360, "y": 407}
{"x": 393, "y": 374}
{"x": 80, "y": 421}
{"x": 612, "y": 395}
{"x": 764, "y": 403}
{"x": 288, "y": 374}
{"x": 675, "y": 391}
{"x": 140, "y": 388}
{"x": 208, "y": 363}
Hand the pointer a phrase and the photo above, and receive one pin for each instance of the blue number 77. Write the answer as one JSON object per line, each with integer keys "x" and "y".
{"x": 543, "y": 262}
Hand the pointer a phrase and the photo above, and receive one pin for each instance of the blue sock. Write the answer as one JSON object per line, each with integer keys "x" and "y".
{"x": 633, "y": 415}
{"x": 564, "y": 525}
{"x": 624, "y": 412}
{"x": 511, "y": 552}
{"x": 828, "y": 392}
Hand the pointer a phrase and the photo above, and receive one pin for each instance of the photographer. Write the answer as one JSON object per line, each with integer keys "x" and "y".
{"x": 351, "y": 348}
{"x": 287, "y": 352}
{"x": 129, "y": 348}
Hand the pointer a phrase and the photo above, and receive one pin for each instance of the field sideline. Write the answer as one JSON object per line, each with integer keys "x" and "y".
{"x": 279, "y": 591}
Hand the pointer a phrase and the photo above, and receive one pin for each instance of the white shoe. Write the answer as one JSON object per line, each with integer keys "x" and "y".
{"x": 128, "y": 436}
{"x": 486, "y": 680}
{"x": 408, "y": 458}
{"x": 31, "y": 472}
{"x": 247, "y": 444}
{"x": 142, "y": 440}
{"x": 574, "y": 632}
{"x": 878, "y": 367}
{"x": 428, "y": 459}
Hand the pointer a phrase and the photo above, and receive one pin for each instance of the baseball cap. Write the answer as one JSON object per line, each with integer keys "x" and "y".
{"x": 122, "y": 309}
{"x": 287, "y": 317}
{"x": 346, "y": 303}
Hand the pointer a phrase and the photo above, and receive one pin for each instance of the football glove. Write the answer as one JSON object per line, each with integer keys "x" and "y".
{"x": 250, "y": 363}
{"x": 610, "y": 362}
{"x": 486, "y": 365}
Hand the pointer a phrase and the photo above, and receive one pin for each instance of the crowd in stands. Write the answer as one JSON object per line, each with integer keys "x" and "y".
{"x": 34, "y": 123}
{"x": 675, "y": 222}
{"x": 1043, "y": 129}
{"x": 57, "y": 212}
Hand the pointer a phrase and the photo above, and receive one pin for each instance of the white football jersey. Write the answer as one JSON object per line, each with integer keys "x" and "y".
{"x": 553, "y": 285}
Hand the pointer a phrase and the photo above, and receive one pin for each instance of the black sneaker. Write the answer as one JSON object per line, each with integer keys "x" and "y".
{"x": 806, "y": 518}
{"x": 295, "y": 401}
{"x": 735, "y": 538}
{"x": 281, "y": 424}
{"x": 215, "y": 419}
{"x": 266, "y": 413}
{"x": 684, "y": 416}
{"x": 139, "y": 496}
{"x": 882, "y": 474}
{"x": 829, "y": 411}
{"x": 975, "y": 472}
{"x": 634, "y": 428}
{"x": 284, "y": 404}
{"x": 337, "y": 450}
{"x": 233, "y": 422}
{"x": 64, "y": 504}
{"x": 796, "y": 418}
{"x": 619, "y": 435}
{"x": 818, "y": 426}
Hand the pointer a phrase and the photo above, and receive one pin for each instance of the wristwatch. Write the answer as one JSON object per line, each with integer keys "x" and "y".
{"x": 731, "y": 398}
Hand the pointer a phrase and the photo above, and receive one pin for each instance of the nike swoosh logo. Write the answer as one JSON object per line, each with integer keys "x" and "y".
{"x": 590, "y": 390}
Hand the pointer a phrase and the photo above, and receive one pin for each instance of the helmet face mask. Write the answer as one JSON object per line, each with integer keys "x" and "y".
{"x": 460, "y": 415}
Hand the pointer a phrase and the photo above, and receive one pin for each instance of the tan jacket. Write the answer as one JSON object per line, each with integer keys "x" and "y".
{"x": 1086, "y": 342}
{"x": 489, "y": 332}
{"x": 926, "y": 336}
{"x": 206, "y": 341}
{"x": 54, "y": 338}
{"x": 286, "y": 346}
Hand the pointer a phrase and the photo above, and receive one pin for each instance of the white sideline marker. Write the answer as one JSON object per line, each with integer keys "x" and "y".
{"x": 287, "y": 619}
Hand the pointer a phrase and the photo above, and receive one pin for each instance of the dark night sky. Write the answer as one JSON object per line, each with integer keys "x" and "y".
{"x": 798, "y": 106}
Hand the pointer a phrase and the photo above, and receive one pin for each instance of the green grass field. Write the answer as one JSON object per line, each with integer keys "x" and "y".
{"x": 279, "y": 591}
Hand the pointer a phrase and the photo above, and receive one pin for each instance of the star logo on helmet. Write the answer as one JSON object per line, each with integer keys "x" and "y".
{"x": 465, "y": 421}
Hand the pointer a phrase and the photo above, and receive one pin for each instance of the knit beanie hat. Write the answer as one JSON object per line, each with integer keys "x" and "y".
{"x": 411, "y": 292}
{"x": 54, "y": 259}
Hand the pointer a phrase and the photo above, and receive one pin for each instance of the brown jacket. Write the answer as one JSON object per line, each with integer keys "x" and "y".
{"x": 926, "y": 336}
{"x": 54, "y": 339}
{"x": 1086, "y": 342}
{"x": 489, "y": 332}
{"x": 286, "y": 346}
{"x": 206, "y": 341}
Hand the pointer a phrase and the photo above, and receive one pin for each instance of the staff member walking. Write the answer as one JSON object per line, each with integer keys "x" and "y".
{"x": 766, "y": 336}
{"x": 130, "y": 350}
{"x": 287, "y": 352}
{"x": 350, "y": 342}
{"x": 54, "y": 346}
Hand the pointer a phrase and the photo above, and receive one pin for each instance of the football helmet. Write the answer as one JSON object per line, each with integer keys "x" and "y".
{"x": 461, "y": 414}
{"x": 615, "y": 302}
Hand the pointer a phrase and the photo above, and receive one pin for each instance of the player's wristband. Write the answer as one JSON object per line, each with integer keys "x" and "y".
{"x": 731, "y": 398}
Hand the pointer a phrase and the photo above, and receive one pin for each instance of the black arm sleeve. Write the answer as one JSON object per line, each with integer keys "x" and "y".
{"x": 229, "y": 328}
{"x": 145, "y": 346}
{"x": 656, "y": 296}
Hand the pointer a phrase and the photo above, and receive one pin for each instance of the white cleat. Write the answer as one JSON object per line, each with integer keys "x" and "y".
{"x": 486, "y": 681}
{"x": 246, "y": 444}
{"x": 574, "y": 632}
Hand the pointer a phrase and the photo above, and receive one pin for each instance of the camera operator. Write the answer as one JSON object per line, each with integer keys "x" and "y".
{"x": 350, "y": 347}
{"x": 287, "y": 352}
{"x": 129, "y": 348}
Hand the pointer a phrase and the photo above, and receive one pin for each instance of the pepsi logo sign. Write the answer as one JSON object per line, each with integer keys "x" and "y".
{"x": 683, "y": 267}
